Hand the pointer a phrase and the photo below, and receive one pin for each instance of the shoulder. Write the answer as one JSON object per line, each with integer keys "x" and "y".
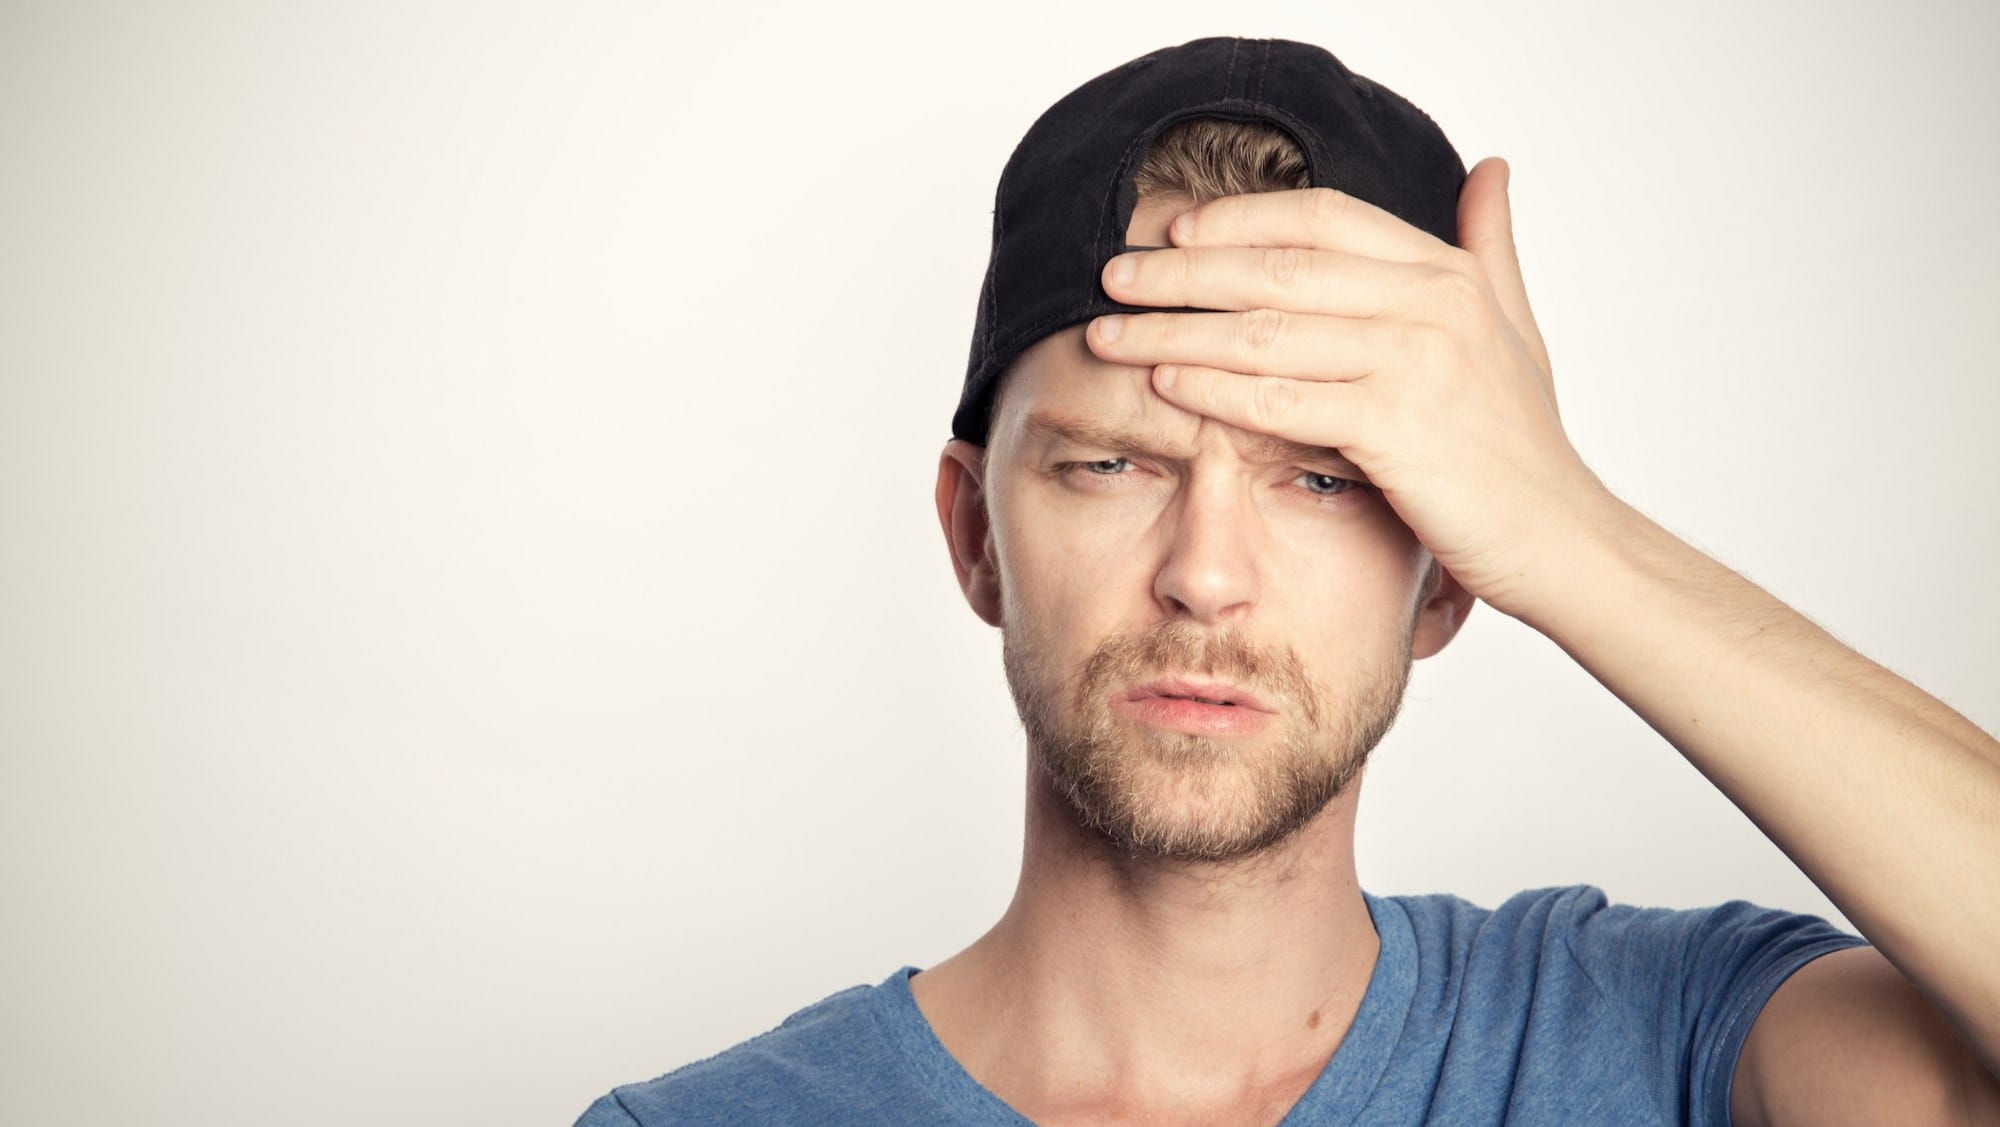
{"x": 1446, "y": 923}
{"x": 1650, "y": 1004}
{"x": 1655, "y": 961}
{"x": 1520, "y": 945}
{"x": 1715, "y": 946}
{"x": 1500, "y": 961}
{"x": 1582, "y": 915}
{"x": 799, "y": 1071}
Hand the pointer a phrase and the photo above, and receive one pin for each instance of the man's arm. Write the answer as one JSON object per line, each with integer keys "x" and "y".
{"x": 1348, "y": 327}
{"x": 1848, "y": 1039}
{"x": 1883, "y": 795}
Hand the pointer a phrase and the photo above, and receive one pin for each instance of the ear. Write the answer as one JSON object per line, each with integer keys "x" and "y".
{"x": 961, "y": 507}
{"x": 1442, "y": 611}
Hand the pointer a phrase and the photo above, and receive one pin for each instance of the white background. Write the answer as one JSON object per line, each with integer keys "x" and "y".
{"x": 473, "y": 625}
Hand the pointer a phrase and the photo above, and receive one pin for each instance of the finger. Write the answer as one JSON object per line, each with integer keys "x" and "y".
{"x": 1486, "y": 228}
{"x": 1317, "y": 414}
{"x": 1262, "y": 342}
{"x": 1317, "y": 218}
{"x": 1285, "y": 277}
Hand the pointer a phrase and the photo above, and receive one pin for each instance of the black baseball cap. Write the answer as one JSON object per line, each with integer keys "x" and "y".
{"x": 1066, "y": 196}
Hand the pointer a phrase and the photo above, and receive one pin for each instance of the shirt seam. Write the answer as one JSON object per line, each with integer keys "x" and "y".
{"x": 1750, "y": 1005}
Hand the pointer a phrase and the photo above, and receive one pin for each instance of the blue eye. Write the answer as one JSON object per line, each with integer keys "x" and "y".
{"x": 1333, "y": 486}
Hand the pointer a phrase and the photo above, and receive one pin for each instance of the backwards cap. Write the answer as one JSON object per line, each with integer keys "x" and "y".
{"x": 1066, "y": 196}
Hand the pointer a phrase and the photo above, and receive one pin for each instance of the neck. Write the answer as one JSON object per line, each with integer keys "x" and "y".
{"x": 1168, "y": 982}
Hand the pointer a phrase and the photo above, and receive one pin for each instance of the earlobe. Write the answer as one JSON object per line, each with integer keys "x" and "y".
{"x": 968, "y": 533}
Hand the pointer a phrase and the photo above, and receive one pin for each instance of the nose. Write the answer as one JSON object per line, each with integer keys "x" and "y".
{"x": 1210, "y": 572}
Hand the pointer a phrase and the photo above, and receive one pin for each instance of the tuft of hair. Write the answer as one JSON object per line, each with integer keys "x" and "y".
{"x": 1206, "y": 157}
{"x": 1203, "y": 158}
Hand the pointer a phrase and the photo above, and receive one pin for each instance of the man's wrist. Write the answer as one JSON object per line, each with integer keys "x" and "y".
{"x": 1587, "y": 564}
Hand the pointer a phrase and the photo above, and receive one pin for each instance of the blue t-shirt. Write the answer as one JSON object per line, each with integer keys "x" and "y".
{"x": 1556, "y": 1007}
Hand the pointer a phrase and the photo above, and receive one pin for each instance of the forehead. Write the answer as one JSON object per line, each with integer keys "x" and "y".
{"x": 1061, "y": 392}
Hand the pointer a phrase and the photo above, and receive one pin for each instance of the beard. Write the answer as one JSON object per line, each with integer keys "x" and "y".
{"x": 1157, "y": 794}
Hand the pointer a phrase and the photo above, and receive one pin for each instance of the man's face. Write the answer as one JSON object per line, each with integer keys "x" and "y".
{"x": 1209, "y": 556}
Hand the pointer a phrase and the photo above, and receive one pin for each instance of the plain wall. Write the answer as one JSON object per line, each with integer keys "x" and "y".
{"x": 473, "y": 625}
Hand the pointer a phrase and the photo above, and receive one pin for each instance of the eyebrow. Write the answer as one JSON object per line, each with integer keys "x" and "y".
{"x": 1267, "y": 448}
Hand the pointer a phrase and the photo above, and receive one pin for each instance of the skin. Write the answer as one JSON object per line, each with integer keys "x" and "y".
{"x": 1179, "y": 950}
{"x": 1223, "y": 865}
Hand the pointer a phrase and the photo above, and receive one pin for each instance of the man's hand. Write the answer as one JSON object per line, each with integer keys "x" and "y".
{"x": 1350, "y": 328}
{"x": 1421, "y": 363}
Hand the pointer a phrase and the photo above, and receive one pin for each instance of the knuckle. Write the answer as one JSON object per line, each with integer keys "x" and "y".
{"x": 1455, "y": 292}
{"x": 1284, "y": 265}
{"x": 1324, "y": 205}
{"x": 1259, "y": 329}
{"x": 1271, "y": 401}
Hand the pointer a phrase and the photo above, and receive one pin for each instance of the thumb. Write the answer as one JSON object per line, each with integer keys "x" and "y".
{"x": 1486, "y": 228}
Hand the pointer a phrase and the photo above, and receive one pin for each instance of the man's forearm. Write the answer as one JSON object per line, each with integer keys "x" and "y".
{"x": 1883, "y": 795}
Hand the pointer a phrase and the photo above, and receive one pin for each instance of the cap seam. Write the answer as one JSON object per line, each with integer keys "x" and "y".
{"x": 993, "y": 270}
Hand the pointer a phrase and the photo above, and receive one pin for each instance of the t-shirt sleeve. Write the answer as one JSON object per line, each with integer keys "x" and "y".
{"x": 607, "y": 1112}
{"x": 1691, "y": 981}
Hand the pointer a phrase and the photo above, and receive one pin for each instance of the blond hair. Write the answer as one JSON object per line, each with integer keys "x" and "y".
{"x": 1206, "y": 157}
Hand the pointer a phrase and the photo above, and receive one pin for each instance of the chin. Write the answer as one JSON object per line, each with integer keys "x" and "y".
{"x": 1193, "y": 799}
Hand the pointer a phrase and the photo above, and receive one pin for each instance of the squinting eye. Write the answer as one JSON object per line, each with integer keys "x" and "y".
{"x": 1333, "y": 486}
{"x": 1094, "y": 469}
{"x": 1318, "y": 484}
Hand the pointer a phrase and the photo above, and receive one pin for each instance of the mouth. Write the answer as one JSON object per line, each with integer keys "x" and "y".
{"x": 1217, "y": 693}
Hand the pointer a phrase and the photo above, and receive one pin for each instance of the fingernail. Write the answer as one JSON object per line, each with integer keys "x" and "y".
{"x": 1108, "y": 328}
{"x": 1166, "y": 376}
{"x": 1122, "y": 269}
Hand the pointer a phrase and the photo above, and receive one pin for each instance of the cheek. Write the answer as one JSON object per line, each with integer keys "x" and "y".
{"x": 1342, "y": 592}
{"x": 1069, "y": 576}
{"x": 1365, "y": 568}
{"x": 1056, "y": 541}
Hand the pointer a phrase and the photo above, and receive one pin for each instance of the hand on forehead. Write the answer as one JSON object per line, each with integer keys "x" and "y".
{"x": 1060, "y": 389}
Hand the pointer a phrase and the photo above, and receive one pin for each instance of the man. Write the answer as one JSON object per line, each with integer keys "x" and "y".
{"x": 1214, "y": 538}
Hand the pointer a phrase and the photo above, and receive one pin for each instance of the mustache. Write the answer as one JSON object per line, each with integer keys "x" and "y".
{"x": 1177, "y": 648}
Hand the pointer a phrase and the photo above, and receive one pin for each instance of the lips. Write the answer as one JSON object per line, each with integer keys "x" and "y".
{"x": 1211, "y": 692}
